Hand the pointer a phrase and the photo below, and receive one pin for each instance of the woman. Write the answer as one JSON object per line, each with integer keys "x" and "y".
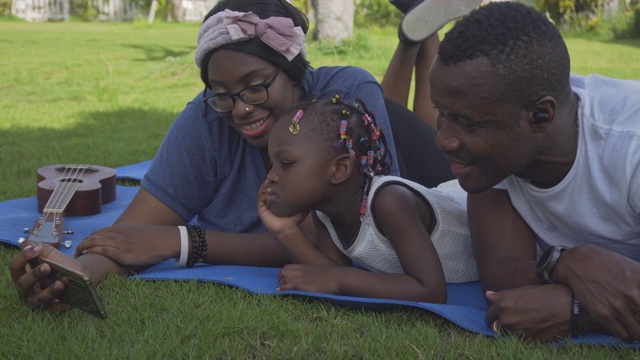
{"x": 214, "y": 158}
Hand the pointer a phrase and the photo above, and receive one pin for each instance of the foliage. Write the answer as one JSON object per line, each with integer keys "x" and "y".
{"x": 5, "y": 7}
{"x": 589, "y": 16}
{"x": 376, "y": 12}
{"x": 561, "y": 11}
{"x": 626, "y": 23}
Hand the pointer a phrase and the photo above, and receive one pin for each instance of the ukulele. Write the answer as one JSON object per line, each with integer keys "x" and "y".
{"x": 71, "y": 190}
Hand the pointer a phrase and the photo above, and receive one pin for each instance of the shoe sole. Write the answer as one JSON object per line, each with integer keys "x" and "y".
{"x": 431, "y": 15}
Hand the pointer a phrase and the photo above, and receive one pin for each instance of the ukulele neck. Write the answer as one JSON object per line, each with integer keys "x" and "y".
{"x": 61, "y": 196}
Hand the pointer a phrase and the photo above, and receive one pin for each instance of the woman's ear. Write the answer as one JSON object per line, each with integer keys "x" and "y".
{"x": 342, "y": 168}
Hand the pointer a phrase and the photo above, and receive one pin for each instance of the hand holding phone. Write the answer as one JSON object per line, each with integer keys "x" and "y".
{"x": 79, "y": 292}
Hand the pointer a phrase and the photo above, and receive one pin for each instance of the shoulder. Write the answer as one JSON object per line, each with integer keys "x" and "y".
{"x": 340, "y": 71}
{"x": 390, "y": 193}
{"x": 608, "y": 102}
{"x": 328, "y": 80}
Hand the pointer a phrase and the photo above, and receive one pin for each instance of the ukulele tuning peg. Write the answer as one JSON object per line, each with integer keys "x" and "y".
{"x": 21, "y": 240}
{"x": 67, "y": 232}
{"x": 26, "y": 230}
{"x": 68, "y": 243}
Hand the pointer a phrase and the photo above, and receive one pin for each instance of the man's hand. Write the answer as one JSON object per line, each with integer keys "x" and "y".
{"x": 607, "y": 285}
{"x": 536, "y": 312}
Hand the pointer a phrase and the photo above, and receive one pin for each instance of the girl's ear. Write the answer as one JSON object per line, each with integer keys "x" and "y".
{"x": 342, "y": 168}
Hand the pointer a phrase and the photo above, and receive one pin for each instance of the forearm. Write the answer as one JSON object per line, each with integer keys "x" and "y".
{"x": 507, "y": 273}
{"x": 296, "y": 244}
{"x": 259, "y": 249}
{"x": 356, "y": 282}
{"x": 97, "y": 267}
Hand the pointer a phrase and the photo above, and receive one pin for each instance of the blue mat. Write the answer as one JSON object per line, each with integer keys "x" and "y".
{"x": 465, "y": 306}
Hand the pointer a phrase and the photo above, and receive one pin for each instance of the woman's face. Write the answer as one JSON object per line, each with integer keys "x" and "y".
{"x": 232, "y": 72}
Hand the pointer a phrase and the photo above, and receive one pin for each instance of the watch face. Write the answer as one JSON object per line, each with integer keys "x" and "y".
{"x": 546, "y": 263}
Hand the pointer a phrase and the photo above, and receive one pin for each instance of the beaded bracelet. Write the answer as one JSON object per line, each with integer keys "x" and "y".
{"x": 574, "y": 326}
{"x": 193, "y": 253}
{"x": 202, "y": 243}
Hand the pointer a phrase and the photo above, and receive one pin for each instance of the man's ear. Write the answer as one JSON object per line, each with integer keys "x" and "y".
{"x": 543, "y": 113}
{"x": 342, "y": 168}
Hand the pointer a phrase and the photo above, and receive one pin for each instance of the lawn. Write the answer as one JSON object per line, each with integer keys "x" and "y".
{"x": 104, "y": 93}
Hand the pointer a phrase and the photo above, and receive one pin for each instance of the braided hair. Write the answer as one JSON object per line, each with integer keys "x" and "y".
{"x": 347, "y": 127}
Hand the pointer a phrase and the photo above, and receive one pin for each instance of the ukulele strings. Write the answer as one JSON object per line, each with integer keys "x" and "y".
{"x": 62, "y": 193}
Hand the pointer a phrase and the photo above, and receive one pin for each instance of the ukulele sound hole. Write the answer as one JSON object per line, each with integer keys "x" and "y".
{"x": 71, "y": 180}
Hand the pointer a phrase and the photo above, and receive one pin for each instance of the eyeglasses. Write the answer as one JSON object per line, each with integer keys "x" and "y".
{"x": 253, "y": 95}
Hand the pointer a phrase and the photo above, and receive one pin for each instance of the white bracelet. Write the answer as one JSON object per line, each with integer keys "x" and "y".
{"x": 184, "y": 246}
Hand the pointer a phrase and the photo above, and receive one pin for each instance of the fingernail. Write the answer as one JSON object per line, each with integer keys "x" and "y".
{"x": 27, "y": 247}
{"x": 37, "y": 248}
{"x": 44, "y": 269}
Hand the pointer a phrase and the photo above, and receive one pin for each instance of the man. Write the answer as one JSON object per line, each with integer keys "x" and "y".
{"x": 551, "y": 162}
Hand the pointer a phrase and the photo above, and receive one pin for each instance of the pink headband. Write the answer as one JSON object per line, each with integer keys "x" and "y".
{"x": 232, "y": 26}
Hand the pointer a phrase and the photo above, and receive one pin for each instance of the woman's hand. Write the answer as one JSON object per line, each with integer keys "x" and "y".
{"x": 133, "y": 244}
{"x": 27, "y": 280}
{"x": 276, "y": 224}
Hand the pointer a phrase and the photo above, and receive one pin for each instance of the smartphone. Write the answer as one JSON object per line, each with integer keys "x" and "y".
{"x": 78, "y": 292}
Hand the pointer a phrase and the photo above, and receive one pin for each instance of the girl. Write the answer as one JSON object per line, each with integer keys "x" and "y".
{"x": 332, "y": 159}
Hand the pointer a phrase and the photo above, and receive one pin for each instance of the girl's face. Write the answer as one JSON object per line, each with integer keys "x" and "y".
{"x": 301, "y": 171}
{"x": 232, "y": 72}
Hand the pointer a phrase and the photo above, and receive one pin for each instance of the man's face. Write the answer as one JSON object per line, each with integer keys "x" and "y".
{"x": 485, "y": 138}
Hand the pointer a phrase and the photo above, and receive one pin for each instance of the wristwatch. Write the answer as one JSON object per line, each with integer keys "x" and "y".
{"x": 547, "y": 263}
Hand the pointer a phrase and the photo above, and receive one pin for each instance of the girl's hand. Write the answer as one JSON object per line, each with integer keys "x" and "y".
{"x": 276, "y": 224}
{"x": 313, "y": 278}
{"x": 133, "y": 244}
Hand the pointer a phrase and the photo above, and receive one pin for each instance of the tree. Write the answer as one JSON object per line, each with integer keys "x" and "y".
{"x": 334, "y": 19}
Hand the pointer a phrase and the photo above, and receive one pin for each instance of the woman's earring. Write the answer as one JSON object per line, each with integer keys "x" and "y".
{"x": 246, "y": 108}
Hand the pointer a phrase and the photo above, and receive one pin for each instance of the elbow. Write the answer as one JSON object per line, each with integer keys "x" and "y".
{"x": 434, "y": 294}
{"x": 440, "y": 297}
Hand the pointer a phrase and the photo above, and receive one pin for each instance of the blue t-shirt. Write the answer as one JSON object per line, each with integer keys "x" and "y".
{"x": 205, "y": 168}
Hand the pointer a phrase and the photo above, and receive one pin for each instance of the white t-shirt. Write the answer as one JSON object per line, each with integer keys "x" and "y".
{"x": 598, "y": 202}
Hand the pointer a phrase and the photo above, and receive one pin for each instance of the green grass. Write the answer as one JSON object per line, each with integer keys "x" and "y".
{"x": 105, "y": 94}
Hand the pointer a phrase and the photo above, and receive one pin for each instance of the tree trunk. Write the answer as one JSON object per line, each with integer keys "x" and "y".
{"x": 152, "y": 11}
{"x": 334, "y": 19}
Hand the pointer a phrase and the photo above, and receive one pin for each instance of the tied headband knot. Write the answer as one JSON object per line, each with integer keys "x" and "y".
{"x": 228, "y": 26}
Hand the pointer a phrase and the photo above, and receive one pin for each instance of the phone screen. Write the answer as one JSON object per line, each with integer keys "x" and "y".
{"x": 79, "y": 292}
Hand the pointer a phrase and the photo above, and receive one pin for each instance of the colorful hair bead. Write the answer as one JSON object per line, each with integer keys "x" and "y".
{"x": 294, "y": 127}
{"x": 363, "y": 206}
{"x": 370, "y": 157}
{"x": 343, "y": 128}
{"x": 375, "y": 132}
